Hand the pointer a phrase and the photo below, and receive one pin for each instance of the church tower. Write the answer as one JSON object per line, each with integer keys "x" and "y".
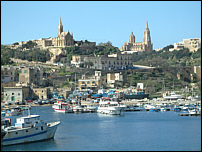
{"x": 60, "y": 27}
{"x": 132, "y": 38}
{"x": 147, "y": 38}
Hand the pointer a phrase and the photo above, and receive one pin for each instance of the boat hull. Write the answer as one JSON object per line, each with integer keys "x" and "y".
{"x": 111, "y": 110}
{"x": 26, "y": 135}
{"x": 136, "y": 96}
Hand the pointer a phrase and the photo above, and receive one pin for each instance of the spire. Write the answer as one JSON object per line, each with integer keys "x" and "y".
{"x": 60, "y": 21}
{"x": 147, "y": 37}
{"x": 60, "y": 27}
{"x": 147, "y": 25}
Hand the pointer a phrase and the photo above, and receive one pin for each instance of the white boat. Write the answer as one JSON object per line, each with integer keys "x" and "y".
{"x": 77, "y": 108}
{"x": 163, "y": 109}
{"x": 109, "y": 107}
{"x": 123, "y": 106}
{"x": 193, "y": 111}
{"x": 90, "y": 108}
{"x": 14, "y": 112}
{"x": 148, "y": 107}
{"x": 62, "y": 107}
{"x": 173, "y": 96}
{"x": 28, "y": 129}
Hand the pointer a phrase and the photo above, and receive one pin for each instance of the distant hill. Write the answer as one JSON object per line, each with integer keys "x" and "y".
{"x": 36, "y": 54}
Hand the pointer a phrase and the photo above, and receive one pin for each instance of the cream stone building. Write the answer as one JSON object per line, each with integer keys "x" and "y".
{"x": 192, "y": 44}
{"x": 63, "y": 39}
{"x": 55, "y": 45}
{"x": 112, "y": 78}
{"x": 133, "y": 46}
{"x": 42, "y": 93}
{"x": 104, "y": 62}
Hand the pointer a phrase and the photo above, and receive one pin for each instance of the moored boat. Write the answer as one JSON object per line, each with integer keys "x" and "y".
{"x": 62, "y": 107}
{"x": 28, "y": 129}
{"x": 109, "y": 107}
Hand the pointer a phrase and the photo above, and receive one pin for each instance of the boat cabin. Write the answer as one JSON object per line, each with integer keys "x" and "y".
{"x": 28, "y": 121}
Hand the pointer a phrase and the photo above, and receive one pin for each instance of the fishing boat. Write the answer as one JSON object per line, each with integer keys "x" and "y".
{"x": 28, "y": 129}
{"x": 138, "y": 94}
{"x": 62, "y": 107}
{"x": 109, "y": 107}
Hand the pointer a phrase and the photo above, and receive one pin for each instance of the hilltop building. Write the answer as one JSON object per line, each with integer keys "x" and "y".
{"x": 133, "y": 46}
{"x": 192, "y": 44}
{"x": 103, "y": 62}
{"x": 63, "y": 39}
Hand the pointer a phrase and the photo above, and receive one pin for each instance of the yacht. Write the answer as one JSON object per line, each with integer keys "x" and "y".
{"x": 173, "y": 96}
{"x": 109, "y": 107}
{"x": 28, "y": 129}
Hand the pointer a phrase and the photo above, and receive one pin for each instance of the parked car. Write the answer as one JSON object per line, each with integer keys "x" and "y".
{"x": 29, "y": 101}
{"x": 44, "y": 101}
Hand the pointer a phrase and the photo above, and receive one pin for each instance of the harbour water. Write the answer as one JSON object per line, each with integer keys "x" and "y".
{"x": 136, "y": 131}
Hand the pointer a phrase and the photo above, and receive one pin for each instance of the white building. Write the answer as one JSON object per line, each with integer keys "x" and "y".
{"x": 192, "y": 44}
{"x": 112, "y": 78}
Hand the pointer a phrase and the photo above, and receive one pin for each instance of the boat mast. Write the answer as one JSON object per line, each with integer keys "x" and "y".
{"x": 75, "y": 81}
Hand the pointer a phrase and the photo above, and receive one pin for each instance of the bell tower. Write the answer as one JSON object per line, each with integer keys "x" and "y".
{"x": 60, "y": 27}
{"x": 147, "y": 39}
{"x": 132, "y": 38}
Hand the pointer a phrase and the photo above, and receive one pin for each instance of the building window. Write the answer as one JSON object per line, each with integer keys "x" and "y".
{"x": 26, "y": 130}
{"x": 19, "y": 94}
{"x": 25, "y": 71}
{"x": 12, "y": 93}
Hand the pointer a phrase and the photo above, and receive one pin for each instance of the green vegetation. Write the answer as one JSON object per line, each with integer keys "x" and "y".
{"x": 100, "y": 49}
{"x": 165, "y": 58}
{"x": 6, "y": 54}
{"x": 173, "y": 69}
{"x": 29, "y": 45}
{"x": 34, "y": 54}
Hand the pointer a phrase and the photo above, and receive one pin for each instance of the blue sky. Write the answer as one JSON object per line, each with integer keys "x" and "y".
{"x": 101, "y": 21}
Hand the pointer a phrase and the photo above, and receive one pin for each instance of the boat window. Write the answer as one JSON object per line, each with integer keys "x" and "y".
{"x": 16, "y": 133}
{"x": 36, "y": 128}
{"x": 41, "y": 128}
{"x": 26, "y": 130}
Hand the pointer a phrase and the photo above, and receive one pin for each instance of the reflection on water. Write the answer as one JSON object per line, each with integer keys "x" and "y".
{"x": 108, "y": 115}
{"x": 34, "y": 146}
